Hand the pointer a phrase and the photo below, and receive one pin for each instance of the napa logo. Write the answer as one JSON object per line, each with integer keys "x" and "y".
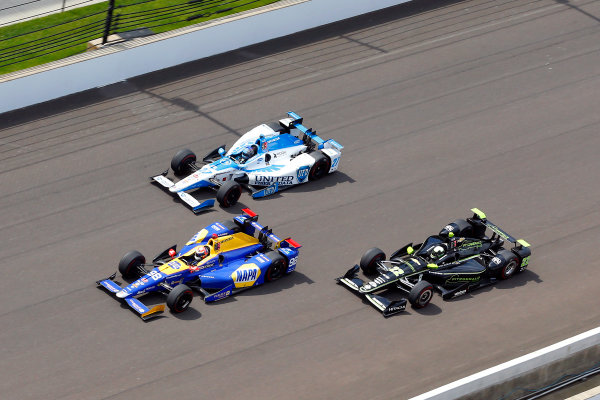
{"x": 302, "y": 173}
{"x": 246, "y": 275}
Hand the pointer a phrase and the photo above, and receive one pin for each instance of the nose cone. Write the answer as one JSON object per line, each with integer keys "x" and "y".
{"x": 122, "y": 294}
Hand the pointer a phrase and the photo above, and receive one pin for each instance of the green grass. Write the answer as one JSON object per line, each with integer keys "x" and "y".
{"x": 87, "y": 23}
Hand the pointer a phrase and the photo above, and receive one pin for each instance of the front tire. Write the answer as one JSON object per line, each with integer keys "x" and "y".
{"x": 229, "y": 194}
{"x": 128, "y": 266}
{"x": 179, "y": 299}
{"x": 420, "y": 295}
{"x": 368, "y": 262}
{"x": 278, "y": 267}
{"x": 182, "y": 160}
{"x": 321, "y": 166}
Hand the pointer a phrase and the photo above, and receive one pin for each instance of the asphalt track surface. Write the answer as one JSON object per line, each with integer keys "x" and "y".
{"x": 441, "y": 106}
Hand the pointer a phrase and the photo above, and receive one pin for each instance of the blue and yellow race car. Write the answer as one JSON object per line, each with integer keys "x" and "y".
{"x": 220, "y": 260}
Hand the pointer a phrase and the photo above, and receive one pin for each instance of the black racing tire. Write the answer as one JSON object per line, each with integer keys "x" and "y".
{"x": 276, "y": 126}
{"x": 128, "y": 266}
{"x": 421, "y": 294}
{"x": 321, "y": 166}
{"x": 511, "y": 264}
{"x": 368, "y": 261}
{"x": 278, "y": 267}
{"x": 180, "y": 163}
{"x": 229, "y": 194}
{"x": 232, "y": 226}
{"x": 180, "y": 298}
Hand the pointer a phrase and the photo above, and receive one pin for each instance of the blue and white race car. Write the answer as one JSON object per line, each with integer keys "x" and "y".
{"x": 217, "y": 262}
{"x": 267, "y": 159}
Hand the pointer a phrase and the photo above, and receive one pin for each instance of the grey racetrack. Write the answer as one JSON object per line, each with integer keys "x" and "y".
{"x": 441, "y": 106}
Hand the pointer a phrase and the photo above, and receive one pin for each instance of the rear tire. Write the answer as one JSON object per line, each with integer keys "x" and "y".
{"x": 276, "y": 126}
{"x": 181, "y": 161}
{"x": 179, "y": 299}
{"x": 368, "y": 262}
{"x": 229, "y": 194}
{"x": 511, "y": 264}
{"x": 232, "y": 226}
{"x": 278, "y": 267}
{"x": 420, "y": 295}
{"x": 128, "y": 266}
{"x": 321, "y": 166}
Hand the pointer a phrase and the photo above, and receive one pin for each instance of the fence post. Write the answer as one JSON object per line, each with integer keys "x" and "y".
{"x": 109, "y": 15}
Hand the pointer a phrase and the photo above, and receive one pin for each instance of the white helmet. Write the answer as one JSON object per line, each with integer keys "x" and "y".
{"x": 437, "y": 252}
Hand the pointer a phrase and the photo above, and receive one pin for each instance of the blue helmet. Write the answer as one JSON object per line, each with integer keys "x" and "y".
{"x": 248, "y": 152}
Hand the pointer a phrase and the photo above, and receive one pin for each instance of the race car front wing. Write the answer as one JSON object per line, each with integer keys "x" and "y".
{"x": 140, "y": 308}
{"x": 386, "y": 306}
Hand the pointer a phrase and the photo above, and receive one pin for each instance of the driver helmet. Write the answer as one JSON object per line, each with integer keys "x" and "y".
{"x": 248, "y": 152}
{"x": 437, "y": 252}
{"x": 201, "y": 253}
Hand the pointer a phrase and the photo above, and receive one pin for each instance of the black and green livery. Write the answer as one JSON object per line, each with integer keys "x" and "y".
{"x": 467, "y": 254}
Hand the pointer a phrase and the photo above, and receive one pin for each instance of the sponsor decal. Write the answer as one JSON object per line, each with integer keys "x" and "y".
{"x": 457, "y": 278}
{"x": 525, "y": 262}
{"x": 246, "y": 275}
{"x": 380, "y": 280}
{"x": 460, "y": 293}
{"x": 267, "y": 180}
{"x": 145, "y": 280}
{"x": 302, "y": 173}
{"x": 217, "y": 227}
{"x": 278, "y": 154}
{"x": 271, "y": 189}
{"x": 265, "y": 146}
{"x": 286, "y": 251}
{"x": 334, "y": 163}
{"x": 219, "y": 296}
{"x": 174, "y": 264}
{"x": 498, "y": 231}
{"x": 137, "y": 307}
{"x": 396, "y": 308}
{"x": 470, "y": 245}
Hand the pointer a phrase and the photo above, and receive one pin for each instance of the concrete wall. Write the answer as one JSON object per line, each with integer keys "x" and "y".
{"x": 533, "y": 370}
{"x": 139, "y": 56}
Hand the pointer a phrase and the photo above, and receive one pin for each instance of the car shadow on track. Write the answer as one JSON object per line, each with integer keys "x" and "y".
{"x": 286, "y": 282}
{"x": 246, "y": 200}
{"x": 334, "y": 179}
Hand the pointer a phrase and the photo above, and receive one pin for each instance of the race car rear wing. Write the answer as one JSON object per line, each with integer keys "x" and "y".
{"x": 479, "y": 215}
{"x": 309, "y": 133}
{"x": 248, "y": 222}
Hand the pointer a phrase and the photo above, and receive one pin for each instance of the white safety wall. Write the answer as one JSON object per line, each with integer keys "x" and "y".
{"x": 140, "y": 56}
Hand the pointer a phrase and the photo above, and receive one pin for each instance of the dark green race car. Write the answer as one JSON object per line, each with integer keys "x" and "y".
{"x": 466, "y": 255}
